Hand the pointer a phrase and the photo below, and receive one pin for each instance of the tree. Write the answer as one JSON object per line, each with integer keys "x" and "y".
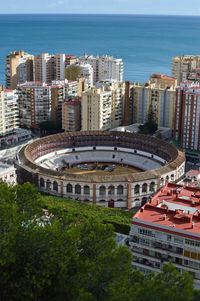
{"x": 72, "y": 72}
{"x": 151, "y": 125}
{"x": 49, "y": 127}
{"x": 72, "y": 257}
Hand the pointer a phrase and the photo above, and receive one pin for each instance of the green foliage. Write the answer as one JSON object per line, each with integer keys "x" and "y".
{"x": 151, "y": 125}
{"x": 75, "y": 256}
{"x": 118, "y": 218}
{"x": 49, "y": 127}
{"x": 72, "y": 72}
{"x": 159, "y": 135}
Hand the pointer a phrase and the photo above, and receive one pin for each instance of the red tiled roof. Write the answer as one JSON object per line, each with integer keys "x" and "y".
{"x": 174, "y": 206}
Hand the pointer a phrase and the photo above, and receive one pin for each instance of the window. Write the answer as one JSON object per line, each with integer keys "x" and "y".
{"x": 146, "y": 232}
{"x": 41, "y": 182}
{"x": 69, "y": 188}
{"x": 86, "y": 189}
{"x": 55, "y": 186}
{"x": 102, "y": 190}
{"x": 120, "y": 189}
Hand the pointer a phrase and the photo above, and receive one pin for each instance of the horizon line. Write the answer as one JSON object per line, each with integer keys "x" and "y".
{"x": 102, "y": 14}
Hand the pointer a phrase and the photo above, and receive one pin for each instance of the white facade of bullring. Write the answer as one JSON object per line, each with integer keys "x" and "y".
{"x": 104, "y": 193}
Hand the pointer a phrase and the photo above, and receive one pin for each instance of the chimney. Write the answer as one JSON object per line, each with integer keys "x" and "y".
{"x": 164, "y": 217}
{"x": 141, "y": 209}
{"x": 193, "y": 224}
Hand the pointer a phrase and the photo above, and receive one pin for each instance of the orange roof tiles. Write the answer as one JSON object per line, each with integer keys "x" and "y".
{"x": 174, "y": 206}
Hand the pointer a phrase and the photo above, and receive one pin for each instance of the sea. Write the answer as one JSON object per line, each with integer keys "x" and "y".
{"x": 146, "y": 43}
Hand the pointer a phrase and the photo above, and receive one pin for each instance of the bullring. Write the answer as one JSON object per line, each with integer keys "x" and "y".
{"x": 156, "y": 162}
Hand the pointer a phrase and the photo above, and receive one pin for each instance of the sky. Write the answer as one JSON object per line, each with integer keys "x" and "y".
{"x": 163, "y": 7}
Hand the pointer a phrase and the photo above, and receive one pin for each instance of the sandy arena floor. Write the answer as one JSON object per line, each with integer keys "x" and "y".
{"x": 117, "y": 171}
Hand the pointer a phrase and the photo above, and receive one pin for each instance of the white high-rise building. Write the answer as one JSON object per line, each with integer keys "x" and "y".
{"x": 104, "y": 67}
{"x": 9, "y": 113}
{"x": 87, "y": 73}
{"x": 60, "y": 66}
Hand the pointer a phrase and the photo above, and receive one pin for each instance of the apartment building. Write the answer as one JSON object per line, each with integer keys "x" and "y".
{"x": 70, "y": 60}
{"x": 9, "y": 113}
{"x": 104, "y": 67}
{"x": 60, "y": 66}
{"x": 34, "y": 99}
{"x": 87, "y": 73}
{"x": 71, "y": 115}
{"x": 187, "y": 115}
{"x": 183, "y": 65}
{"x": 102, "y": 108}
{"x": 71, "y": 89}
{"x": 167, "y": 228}
{"x": 18, "y": 68}
{"x": 161, "y": 100}
{"x": 44, "y": 68}
{"x": 163, "y": 80}
{"x": 57, "y": 98}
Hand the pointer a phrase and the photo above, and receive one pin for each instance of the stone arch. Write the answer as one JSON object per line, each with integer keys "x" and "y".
{"x": 162, "y": 181}
{"x": 152, "y": 187}
{"x": 102, "y": 201}
{"x": 167, "y": 179}
{"x": 48, "y": 184}
{"x": 172, "y": 177}
{"x": 55, "y": 186}
{"x": 120, "y": 200}
{"x": 77, "y": 189}
{"x": 41, "y": 182}
{"x": 111, "y": 203}
{"x": 86, "y": 189}
{"x": 144, "y": 187}
{"x": 102, "y": 190}
{"x": 144, "y": 200}
{"x": 120, "y": 189}
{"x": 111, "y": 190}
{"x": 86, "y": 201}
{"x": 137, "y": 189}
{"x": 69, "y": 188}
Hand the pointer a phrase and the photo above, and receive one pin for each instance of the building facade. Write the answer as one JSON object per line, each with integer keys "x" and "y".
{"x": 162, "y": 101}
{"x": 71, "y": 115}
{"x": 8, "y": 174}
{"x": 9, "y": 112}
{"x": 163, "y": 80}
{"x": 87, "y": 73}
{"x": 104, "y": 67}
{"x": 19, "y": 68}
{"x": 34, "y": 99}
{"x": 167, "y": 229}
{"x": 102, "y": 108}
{"x": 187, "y": 112}
{"x": 183, "y": 65}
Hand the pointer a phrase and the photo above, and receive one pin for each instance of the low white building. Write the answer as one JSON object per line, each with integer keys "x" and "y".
{"x": 18, "y": 136}
{"x": 8, "y": 174}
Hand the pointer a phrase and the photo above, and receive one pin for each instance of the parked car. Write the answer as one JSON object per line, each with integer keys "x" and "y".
{"x": 104, "y": 166}
{"x": 109, "y": 169}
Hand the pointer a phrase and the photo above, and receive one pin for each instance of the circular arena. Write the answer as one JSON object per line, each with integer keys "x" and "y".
{"x": 113, "y": 169}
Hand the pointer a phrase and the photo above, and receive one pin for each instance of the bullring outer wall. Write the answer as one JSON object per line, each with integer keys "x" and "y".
{"x": 121, "y": 191}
